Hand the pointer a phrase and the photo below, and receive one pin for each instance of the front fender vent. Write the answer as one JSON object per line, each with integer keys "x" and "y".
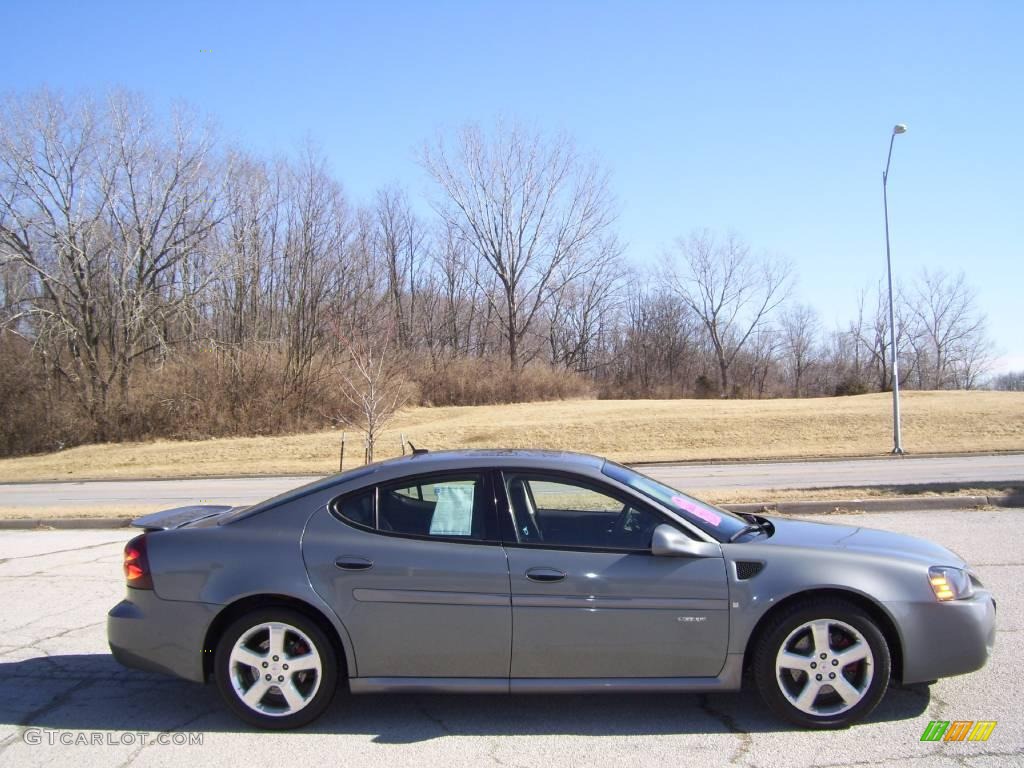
{"x": 747, "y": 569}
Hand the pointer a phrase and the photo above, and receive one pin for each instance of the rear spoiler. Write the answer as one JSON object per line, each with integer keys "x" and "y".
{"x": 179, "y": 517}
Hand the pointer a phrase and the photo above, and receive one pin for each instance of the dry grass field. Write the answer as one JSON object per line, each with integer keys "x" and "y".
{"x": 626, "y": 430}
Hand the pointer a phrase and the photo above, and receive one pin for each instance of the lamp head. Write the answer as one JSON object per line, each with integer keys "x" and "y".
{"x": 899, "y": 128}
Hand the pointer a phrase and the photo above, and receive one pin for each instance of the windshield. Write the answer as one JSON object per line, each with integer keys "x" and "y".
{"x": 717, "y": 522}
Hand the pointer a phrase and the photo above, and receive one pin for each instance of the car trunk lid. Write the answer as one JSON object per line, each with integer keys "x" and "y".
{"x": 179, "y": 517}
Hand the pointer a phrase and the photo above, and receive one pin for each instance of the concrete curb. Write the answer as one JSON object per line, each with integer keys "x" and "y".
{"x": 896, "y": 504}
{"x": 64, "y": 523}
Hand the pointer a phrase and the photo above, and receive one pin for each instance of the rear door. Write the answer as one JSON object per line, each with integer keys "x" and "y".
{"x": 589, "y": 600}
{"x": 416, "y": 572}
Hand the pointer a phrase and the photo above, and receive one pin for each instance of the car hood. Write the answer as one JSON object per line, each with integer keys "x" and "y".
{"x": 802, "y": 533}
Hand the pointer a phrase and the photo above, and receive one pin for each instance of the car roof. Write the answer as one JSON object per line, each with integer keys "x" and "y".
{"x": 501, "y": 456}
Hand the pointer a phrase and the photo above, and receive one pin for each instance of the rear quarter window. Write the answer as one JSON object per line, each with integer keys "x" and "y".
{"x": 356, "y": 509}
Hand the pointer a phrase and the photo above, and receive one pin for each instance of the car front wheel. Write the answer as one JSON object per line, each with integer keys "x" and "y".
{"x": 822, "y": 664}
{"x": 275, "y": 668}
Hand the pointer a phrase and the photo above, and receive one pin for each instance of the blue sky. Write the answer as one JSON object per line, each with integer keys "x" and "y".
{"x": 770, "y": 119}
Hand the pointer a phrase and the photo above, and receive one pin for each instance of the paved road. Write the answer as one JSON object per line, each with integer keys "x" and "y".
{"x": 852, "y": 472}
{"x": 807, "y": 474}
{"x": 56, "y": 675}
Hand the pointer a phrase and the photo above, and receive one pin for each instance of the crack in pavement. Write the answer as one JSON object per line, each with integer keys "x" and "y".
{"x": 57, "y": 701}
{"x": 745, "y": 739}
{"x": 42, "y": 575}
{"x": 493, "y": 744}
{"x": 48, "y": 572}
{"x": 37, "y": 619}
{"x": 963, "y": 759}
{"x": 54, "y": 703}
{"x": 422, "y": 709}
{"x": 960, "y": 759}
{"x": 34, "y": 645}
{"x": 133, "y": 756}
{"x": 60, "y": 551}
{"x": 998, "y": 565}
{"x": 9, "y": 740}
{"x": 937, "y": 705}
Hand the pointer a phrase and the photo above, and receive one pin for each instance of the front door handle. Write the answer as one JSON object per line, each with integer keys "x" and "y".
{"x": 348, "y": 563}
{"x": 545, "y": 574}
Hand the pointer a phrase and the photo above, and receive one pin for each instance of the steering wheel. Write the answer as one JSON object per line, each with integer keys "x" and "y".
{"x": 618, "y": 528}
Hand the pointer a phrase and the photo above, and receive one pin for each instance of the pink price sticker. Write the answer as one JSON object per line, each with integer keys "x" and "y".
{"x": 696, "y": 509}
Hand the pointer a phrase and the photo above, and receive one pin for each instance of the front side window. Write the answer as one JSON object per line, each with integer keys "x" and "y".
{"x": 720, "y": 523}
{"x": 560, "y": 512}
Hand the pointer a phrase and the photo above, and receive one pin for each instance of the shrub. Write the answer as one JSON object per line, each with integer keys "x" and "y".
{"x": 485, "y": 381}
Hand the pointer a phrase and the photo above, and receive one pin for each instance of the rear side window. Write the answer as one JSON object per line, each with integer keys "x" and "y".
{"x": 357, "y": 509}
{"x": 446, "y": 507}
{"x": 450, "y": 506}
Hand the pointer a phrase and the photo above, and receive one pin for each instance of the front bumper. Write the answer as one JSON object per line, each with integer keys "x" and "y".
{"x": 945, "y": 639}
{"x": 146, "y": 632}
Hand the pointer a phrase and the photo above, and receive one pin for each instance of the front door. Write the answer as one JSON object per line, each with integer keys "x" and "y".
{"x": 589, "y": 600}
{"x": 416, "y": 573}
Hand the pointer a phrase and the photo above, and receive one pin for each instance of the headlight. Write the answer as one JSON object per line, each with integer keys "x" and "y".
{"x": 950, "y": 583}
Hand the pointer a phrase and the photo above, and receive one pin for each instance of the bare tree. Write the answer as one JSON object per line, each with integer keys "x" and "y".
{"x": 105, "y": 214}
{"x": 841, "y": 371}
{"x": 800, "y": 332}
{"x": 457, "y": 281}
{"x": 246, "y": 289}
{"x": 373, "y": 382}
{"x": 585, "y": 309}
{"x": 400, "y": 240}
{"x": 874, "y": 345}
{"x": 949, "y": 330}
{"x": 730, "y": 290}
{"x": 155, "y": 284}
{"x": 533, "y": 211}
{"x": 760, "y": 357}
{"x": 1012, "y": 381}
{"x": 655, "y": 351}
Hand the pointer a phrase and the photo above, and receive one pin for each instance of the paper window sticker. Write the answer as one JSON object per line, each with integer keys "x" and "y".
{"x": 697, "y": 510}
{"x": 453, "y": 513}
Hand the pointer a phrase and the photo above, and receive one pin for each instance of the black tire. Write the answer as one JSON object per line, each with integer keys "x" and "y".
{"x": 326, "y": 682}
{"x": 779, "y": 629}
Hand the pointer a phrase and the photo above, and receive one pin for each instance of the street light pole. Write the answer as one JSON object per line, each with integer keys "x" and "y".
{"x": 897, "y": 438}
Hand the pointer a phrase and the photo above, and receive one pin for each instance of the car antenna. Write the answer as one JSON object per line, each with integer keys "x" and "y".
{"x": 416, "y": 451}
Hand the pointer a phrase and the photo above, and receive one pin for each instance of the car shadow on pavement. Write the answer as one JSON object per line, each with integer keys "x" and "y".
{"x": 93, "y": 692}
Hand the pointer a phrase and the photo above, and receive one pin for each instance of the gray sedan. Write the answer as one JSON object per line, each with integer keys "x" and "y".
{"x": 536, "y": 572}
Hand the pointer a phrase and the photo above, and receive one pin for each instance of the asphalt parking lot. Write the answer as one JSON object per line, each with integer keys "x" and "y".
{"x": 59, "y": 686}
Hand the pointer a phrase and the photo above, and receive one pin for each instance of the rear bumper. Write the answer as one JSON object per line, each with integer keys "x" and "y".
{"x": 145, "y": 632}
{"x": 945, "y": 639}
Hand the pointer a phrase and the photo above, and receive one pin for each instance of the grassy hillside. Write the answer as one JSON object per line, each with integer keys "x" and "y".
{"x": 627, "y": 430}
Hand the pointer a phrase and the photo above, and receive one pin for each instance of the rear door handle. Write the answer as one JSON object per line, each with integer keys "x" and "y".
{"x": 545, "y": 574}
{"x": 348, "y": 563}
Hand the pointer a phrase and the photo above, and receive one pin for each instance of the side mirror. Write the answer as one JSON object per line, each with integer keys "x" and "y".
{"x": 670, "y": 542}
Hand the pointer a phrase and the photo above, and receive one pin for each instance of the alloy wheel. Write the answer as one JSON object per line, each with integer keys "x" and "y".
{"x": 275, "y": 668}
{"x": 824, "y": 667}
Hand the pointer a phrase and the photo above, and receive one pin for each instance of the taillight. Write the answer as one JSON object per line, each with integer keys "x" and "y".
{"x": 136, "y": 564}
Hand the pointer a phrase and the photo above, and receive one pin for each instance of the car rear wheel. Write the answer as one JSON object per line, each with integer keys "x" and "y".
{"x": 822, "y": 664}
{"x": 276, "y": 668}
